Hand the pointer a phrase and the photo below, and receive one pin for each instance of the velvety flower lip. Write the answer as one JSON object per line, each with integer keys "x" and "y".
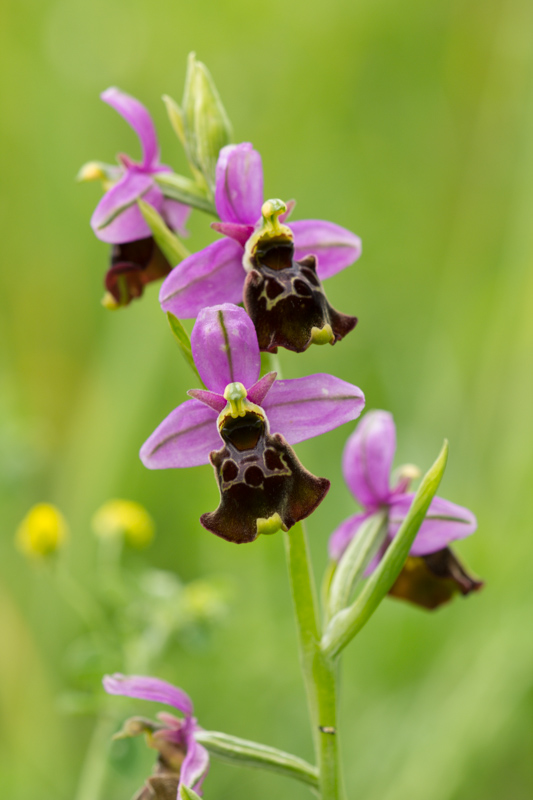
{"x": 225, "y": 350}
{"x": 117, "y": 218}
{"x": 238, "y": 199}
{"x": 256, "y": 420}
{"x": 367, "y": 463}
{"x": 133, "y": 265}
{"x": 182, "y": 760}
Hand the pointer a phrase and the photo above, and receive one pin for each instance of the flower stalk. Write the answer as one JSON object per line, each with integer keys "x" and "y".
{"x": 318, "y": 671}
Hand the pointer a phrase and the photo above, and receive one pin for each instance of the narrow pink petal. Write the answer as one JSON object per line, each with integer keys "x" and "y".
{"x": 335, "y": 247}
{"x": 196, "y": 763}
{"x": 213, "y": 275}
{"x": 305, "y": 407}
{"x": 176, "y": 215}
{"x": 291, "y": 205}
{"x": 239, "y": 184}
{"x": 211, "y": 399}
{"x": 258, "y": 392}
{"x": 117, "y": 218}
{"x": 444, "y": 523}
{"x": 140, "y": 120}
{"x": 152, "y": 689}
{"x": 343, "y": 535}
{"x": 224, "y": 347}
{"x": 184, "y": 439}
{"x": 367, "y": 458}
{"x": 236, "y": 231}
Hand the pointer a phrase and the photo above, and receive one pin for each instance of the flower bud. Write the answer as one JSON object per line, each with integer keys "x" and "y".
{"x": 124, "y": 518}
{"x": 207, "y": 128}
{"x": 108, "y": 174}
{"x": 42, "y": 531}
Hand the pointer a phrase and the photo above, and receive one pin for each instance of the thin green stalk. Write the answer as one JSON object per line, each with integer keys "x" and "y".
{"x": 93, "y": 773}
{"x": 319, "y": 674}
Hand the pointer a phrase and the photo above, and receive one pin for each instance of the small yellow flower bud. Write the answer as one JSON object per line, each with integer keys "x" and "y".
{"x": 124, "y": 518}
{"x": 42, "y": 531}
{"x": 92, "y": 171}
{"x": 109, "y": 302}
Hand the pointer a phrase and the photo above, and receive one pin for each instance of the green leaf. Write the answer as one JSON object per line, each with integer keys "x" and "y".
{"x": 185, "y": 190}
{"x": 175, "y": 115}
{"x": 243, "y": 753}
{"x": 169, "y": 244}
{"x": 183, "y": 341}
{"x": 348, "y": 622}
{"x": 355, "y": 560}
{"x": 189, "y": 794}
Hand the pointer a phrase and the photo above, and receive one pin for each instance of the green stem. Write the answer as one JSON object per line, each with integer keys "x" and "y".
{"x": 93, "y": 773}
{"x": 318, "y": 672}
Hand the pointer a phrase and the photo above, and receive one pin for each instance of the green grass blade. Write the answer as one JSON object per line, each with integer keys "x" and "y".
{"x": 182, "y": 338}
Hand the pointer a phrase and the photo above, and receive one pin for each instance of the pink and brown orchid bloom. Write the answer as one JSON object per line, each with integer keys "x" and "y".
{"x": 135, "y": 258}
{"x": 182, "y": 761}
{"x": 245, "y": 426}
{"x": 274, "y": 268}
{"x": 432, "y": 573}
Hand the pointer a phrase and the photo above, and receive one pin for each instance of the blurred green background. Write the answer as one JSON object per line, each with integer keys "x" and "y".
{"x": 410, "y": 123}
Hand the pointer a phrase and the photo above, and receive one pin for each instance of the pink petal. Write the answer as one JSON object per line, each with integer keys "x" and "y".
{"x": 184, "y": 439}
{"x": 176, "y": 215}
{"x": 117, "y": 218}
{"x": 211, "y": 399}
{"x": 196, "y": 762}
{"x": 213, "y": 275}
{"x": 151, "y": 689}
{"x": 343, "y": 535}
{"x": 291, "y": 205}
{"x": 140, "y": 120}
{"x": 367, "y": 458}
{"x": 236, "y": 231}
{"x": 305, "y": 407}
{"x": 224, "y": 347}
{"x": 258, "y": 392}
{"x": 335, "y": 247}
{"x": 444, "y": 523}
{"x": 239, "y": 184}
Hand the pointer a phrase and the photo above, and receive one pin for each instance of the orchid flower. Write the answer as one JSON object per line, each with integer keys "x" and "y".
{"x": 182, "y": 761}
{"x": 432, "y": 573}
{"x": 262, "y": 484}
{"x": 276, "y": 270}
{"x": 117, "y": 219}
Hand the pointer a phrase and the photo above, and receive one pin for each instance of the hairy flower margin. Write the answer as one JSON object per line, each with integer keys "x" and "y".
{"x": 135, "y": 258}
{"x": 432, "y": 573}
{"x": 181, "y": 761}
{"x": 262, "y": 484}
{"x": 274, "y": 268}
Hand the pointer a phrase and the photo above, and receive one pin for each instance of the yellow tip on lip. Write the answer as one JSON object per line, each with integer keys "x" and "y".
{"x": 271, "y": 525}
{"x": 323, "y": 335}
